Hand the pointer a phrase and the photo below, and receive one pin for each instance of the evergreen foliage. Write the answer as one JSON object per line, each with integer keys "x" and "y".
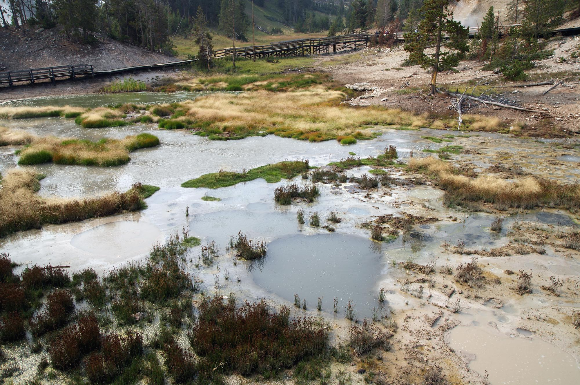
{"x": 437, "y": 21}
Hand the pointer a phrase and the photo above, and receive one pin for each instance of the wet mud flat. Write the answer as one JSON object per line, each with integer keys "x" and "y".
{"x": 478, "y": 329}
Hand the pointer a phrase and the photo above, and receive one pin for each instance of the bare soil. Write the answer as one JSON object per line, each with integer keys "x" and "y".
{"x": 388, "y": 82}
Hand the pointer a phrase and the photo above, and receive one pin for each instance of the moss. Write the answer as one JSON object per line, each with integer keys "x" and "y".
{"x": 348, "y": 140}
{"x": 171, "y": 124}
{"x": 271, "y": 173}
{"x": 143, "y": 140}
{"x": 101, "y": 123}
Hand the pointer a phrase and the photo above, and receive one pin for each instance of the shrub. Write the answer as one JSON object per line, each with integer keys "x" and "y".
{"x": 391, "y": 153}
{"x": 377, "y": 233}
{"x": 524, "y": 285}
{"x": 89, "y": 333}
{"x": 59, "y": 305}
{"x": 324, "y": 176}
{"x": 180, "y": 363}
{"x": 365, "y": 338}
{"x": 6, "y": 266}
{"x": 12, "y": 297}
{"x": 253, "y": 339}
{"x": 11, "y": 327}
{"x": 284, "y": 194}
{"x": 315, "y": 220}
{"x": 247, "y": 249}
{"x": 470, "y": 274}
{"x": 64, "y": 350}
{"x": 300, "y": 217}
{"x": 333, "y": 217}
{"x": 366, "y": 182}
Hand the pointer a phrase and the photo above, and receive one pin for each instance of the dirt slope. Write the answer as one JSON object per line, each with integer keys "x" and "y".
{"x": 36, "y": 48}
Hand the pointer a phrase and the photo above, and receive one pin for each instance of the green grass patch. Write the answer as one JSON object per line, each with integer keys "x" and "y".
{"x": 436, "y": 139}
{"x": 37, "y": 114}
{"x": 143, "y": 140}
{"x": 72, "y": 115}
{"x": 191, "y": 242}
{"x": 35, "y": 157}
{"x": 346, "y": 141}
{"x": 147, "y": 190}
{"x": 170, "y": 124}
{"x": 272, "y": 173}
{"x": 101, "y": 123}
{"x": 446, "y": 150}
{"x": 125, "y": 85}
{"x": 378, "y": 171}
{"x": 208, "y": 198}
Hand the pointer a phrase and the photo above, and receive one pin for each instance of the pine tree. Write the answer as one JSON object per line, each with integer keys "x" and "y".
{"x": 203, "y": 39}
{"x": 437, "y": 22}
{"x": 541, "y": 16}
{"x": 489, "y": 34}
{"x": 514, "y": 11}
{"x": 385, "y": 12}
{"x": 233, "y": 18}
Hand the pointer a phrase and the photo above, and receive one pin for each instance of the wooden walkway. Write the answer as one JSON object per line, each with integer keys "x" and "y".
{"x": 304, "y": 47}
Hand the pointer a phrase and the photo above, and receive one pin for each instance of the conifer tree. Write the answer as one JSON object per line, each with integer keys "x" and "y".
{"x": 439, "y": 42}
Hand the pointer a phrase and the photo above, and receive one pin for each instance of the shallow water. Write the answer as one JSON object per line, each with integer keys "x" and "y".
{"x": 531, "y": 360}
{"x": 325, "y": 266}
{"x": 100, "y": 100}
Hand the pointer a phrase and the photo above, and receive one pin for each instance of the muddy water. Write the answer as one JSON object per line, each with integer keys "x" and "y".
{"x": 329, "y": 267}
{"x": 517, "y": 360}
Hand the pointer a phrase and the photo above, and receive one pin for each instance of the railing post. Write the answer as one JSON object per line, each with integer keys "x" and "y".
{"x": 72, "y": 72}
{"x": 51, "y": 74}
{"x": 31, "y": 77}
{"x": 10, "y": 80}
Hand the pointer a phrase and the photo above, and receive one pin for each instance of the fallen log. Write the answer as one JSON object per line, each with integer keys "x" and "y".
{"x": 495, "y": 103}
{"x": 553, "y": 87}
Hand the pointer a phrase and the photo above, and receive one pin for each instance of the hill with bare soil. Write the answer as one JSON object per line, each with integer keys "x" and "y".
{"x": 25, "y": 48}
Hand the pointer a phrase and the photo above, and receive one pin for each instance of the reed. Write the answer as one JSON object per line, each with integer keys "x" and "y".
{"x": 38, "y": 112}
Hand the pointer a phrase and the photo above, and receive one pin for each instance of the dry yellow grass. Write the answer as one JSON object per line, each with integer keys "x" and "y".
{"x": 315, "y": 110}
{"x": 22, "y": 209}
{"x": 14, "y": 137}
{"x": 105, "y": 152}
{"x": 37, "y": 112}
{"x": 525, "y": 192}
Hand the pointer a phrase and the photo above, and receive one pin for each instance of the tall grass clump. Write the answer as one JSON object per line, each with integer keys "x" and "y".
{"x": 22, "y": 209}
{"x": 38, "y": 112}
{"x": 272, "y": 173}
{"x": 524, "y": 192}
{"x": 125, "y": 85}
{"x": 284, "y": 195}
{"x": 101, "y": 117}
{"x": 247, "y": 249}
{"x": 14, "y": 137}
{"x": 253, "y": 339}
{"x": 104, "y": 152}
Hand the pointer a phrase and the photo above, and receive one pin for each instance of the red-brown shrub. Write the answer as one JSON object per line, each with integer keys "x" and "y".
{"x": 5, "y": 268}
{"x": 12, "y": 297}
{"x": 11, "y": 327}
{"x": 252, "y": 339}
{"x": 89, "y": 333}
{"x": 180, "y": 363}
{"x": 33, "y": 278}
{"x": 64, "y": 350}
{"x": 59, "y": 304}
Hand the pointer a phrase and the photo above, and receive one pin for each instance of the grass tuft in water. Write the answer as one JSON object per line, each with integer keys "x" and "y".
{"x": 247, "y": 249}
{"x": 272, "y": 173}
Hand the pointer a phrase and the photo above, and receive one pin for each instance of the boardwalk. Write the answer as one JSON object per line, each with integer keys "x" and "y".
{"x": 304, "y": 47}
